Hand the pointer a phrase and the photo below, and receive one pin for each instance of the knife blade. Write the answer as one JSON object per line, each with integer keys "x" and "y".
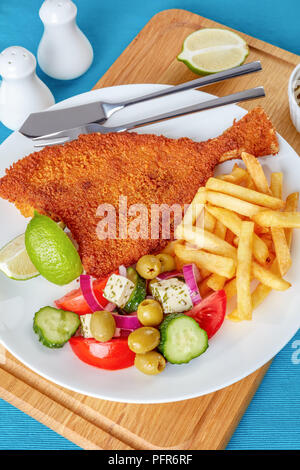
{"x": 47, "y": 122}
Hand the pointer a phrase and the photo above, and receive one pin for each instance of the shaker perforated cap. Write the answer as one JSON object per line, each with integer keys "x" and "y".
{"x": 57, "y": 11}
{"x": 16, "y": 62}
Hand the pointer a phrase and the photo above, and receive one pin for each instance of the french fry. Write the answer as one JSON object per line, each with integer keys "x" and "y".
{"x": 220, "y": 230}
{"x": 236, "y": 241}
{"x": 204, "y": 273}
{"x": 281, "y": 250}
{"x": 243, "y": 272}
{"x": 205, "y": 240}
{"x": 236, "y": 176}
{"x": 278, "y": 235}
{"x": 179, "y": 263}
{"x": 260, "y": 230}
{"x": 267, "y": 239}
{"x": 233, "y": 203}
{"x": 209, "y": 221}
{"x": 214, "y": 263}
{"x": 291, "y": 205}
{"x": 169, "y": 249}
{"x": 233, "y": 222}
{"x": 256, "y": 172}
{"x": 230, "y": 288}
{"x": 249, "y": 182}
{"x": 195, "y": 208}
{"x": 245, "y": 194}
{"x": 276, "y": 184}
{"x": 259, "y": 295}
{"x": 262, "y": 291}
{"x": 230, "y": 250}
{"x": 216, "y": 282}
{"x": 277, "y": 219}
{"x": 229, "y": 237}
{"x": 203, "y": 288}
{"x": 269, "y": 278}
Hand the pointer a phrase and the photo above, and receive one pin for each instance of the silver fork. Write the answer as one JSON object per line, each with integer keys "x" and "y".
{"x": 100, "y": 111}
{"x": 72, "y": 134}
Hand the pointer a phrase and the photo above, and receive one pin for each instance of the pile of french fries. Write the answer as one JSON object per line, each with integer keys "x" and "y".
{"x": 236, "y": 230}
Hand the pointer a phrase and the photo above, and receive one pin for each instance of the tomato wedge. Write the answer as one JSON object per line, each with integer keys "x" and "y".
{"x": 111, "y": 355}
{"x": 210, "y": 312}
{"x": 75, "y": 302}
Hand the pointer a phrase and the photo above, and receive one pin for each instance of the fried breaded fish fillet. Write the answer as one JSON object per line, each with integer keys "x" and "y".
{"x": 68, "y": 182}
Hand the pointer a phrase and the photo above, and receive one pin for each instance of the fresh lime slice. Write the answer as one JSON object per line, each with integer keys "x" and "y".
{"x": 51, "y": 251}
{"x": 212, "y": 50}
{"x": 15, "y": 262}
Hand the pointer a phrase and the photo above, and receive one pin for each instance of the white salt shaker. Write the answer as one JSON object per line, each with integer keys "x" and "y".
{"x": 21, "y": 91}
{"x": 64, "y": 51}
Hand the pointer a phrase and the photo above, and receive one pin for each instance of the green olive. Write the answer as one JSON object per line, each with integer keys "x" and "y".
{"x": 150, "y": 363}
{"x": 143, "y": 339}
{"x": 150, "y": 313}
{"x": 149, "y": 286}
{"x": 103, "y": 326}
{"x": 167, "y": 262}
{"x": 148, "y": 266}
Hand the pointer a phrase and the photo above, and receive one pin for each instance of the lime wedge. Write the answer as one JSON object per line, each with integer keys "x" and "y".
{"x": 212, "y": 50}
{"x": 51, "y": 250}
{"x": 15, "y": 262}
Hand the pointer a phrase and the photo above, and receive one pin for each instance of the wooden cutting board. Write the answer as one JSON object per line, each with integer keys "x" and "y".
{"x": 202, "y": 423}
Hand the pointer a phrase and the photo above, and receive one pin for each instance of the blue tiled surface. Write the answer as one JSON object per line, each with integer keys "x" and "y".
{"x": 272, "y": 420}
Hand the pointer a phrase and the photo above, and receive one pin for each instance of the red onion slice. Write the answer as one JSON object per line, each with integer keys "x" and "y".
{"x": 122, "y": 270}
{"x": 117, "y": 333}
{"x": 124, "y": 333}
{"x": 190, "y": 272}
{"x": 86, "y": 286}
{"x": 110, "y": 307}
{"x": 127, "y": 322}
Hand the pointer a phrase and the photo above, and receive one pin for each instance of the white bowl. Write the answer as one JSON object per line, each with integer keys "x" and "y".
{"x": 294, "y": 106}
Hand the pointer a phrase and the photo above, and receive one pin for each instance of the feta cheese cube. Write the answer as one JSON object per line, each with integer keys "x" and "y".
{"x": 173, "y": 294}
{"x": 118, "y": 290}
{"x": 85, "y": 328}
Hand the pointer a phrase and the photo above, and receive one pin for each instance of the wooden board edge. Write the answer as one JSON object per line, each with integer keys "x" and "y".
{"x": 59, "y": 418}
{"x": 107, "y": 434}
{"x": 178, "y": 15}
{"x": 60, "y": 395}
{"x": 264, "y": 46}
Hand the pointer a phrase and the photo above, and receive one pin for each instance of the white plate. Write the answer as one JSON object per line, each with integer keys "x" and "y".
{"x": 235, "y": 351}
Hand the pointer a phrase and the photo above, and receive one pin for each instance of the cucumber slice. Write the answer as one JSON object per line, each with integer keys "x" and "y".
{"x": 181, "y": 338}
{"x": 55, "y": 327}
{"x": 139, "y": 292}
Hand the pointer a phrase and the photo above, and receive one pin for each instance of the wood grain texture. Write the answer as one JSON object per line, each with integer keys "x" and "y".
{"x": 151, "y": 58}
{"x": 202, "y": 423}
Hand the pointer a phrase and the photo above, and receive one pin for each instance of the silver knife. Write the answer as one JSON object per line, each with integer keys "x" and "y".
{"x": 48, "y": 122}
{"x": 68, "y": 135}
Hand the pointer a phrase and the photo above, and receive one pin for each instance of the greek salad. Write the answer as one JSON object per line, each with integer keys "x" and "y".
{"x": 145, "y": 315}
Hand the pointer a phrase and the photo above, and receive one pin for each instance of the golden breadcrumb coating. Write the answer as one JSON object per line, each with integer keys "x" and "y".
{"x": 68, "y": 182}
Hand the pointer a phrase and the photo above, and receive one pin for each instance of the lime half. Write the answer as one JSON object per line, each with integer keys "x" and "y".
{"x": 15, "y": 262}
{"x": 51, "y": 251}
{"x": 212, "y": 50}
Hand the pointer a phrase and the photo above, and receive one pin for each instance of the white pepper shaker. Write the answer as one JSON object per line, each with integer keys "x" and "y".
{"x": 64, "y": 51}
{"x": 21, "y": 91}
